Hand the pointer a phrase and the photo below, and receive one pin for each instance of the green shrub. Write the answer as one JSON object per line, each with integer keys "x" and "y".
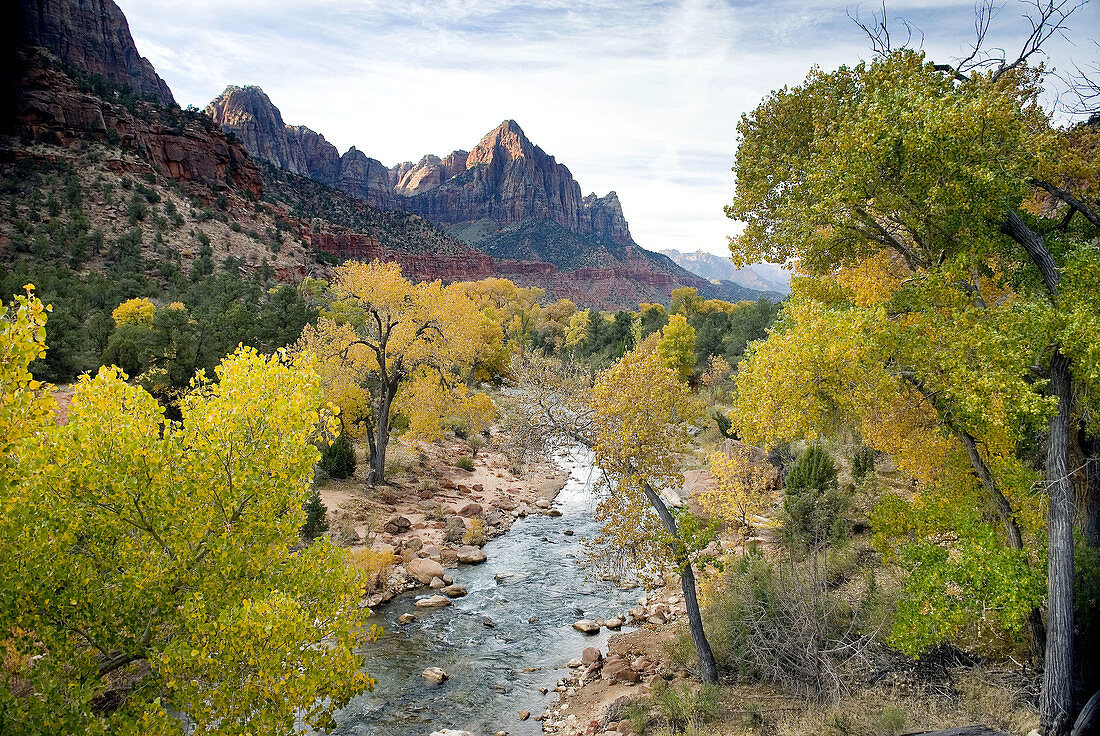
{"x": 454, "y": 529}
{"x": 338, "y": 459}
{"x": 465, "y": 462}
{"x": 863, "y": 462}
{"x": 813, "y": 502}
{"x": 316, "y": 523}
{"x": 682, "y": 705}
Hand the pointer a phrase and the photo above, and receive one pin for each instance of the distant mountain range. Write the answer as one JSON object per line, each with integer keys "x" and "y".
{"x": 761, "y": 277}
{"x": 503, "y": 208}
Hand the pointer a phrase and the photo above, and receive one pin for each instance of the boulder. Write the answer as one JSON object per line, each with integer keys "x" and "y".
{"x": 437, "y": 583}
{"x": 613, "y": 623}
{"x": 436, "y": 675}
{"x": 435, "y": 601}
{"x": 397, "y": 525}
{"x": 424, "y": 569}
{"x": 406, "y": 618}
{"x": 471, "y": 509}
{"x": 542, "y": 503}
{"x": 587, "y": 625}
{"x": 470, "y": 555}
{"x": 414, "y": 543}
{"x": 619, "y": 671}
{"x": 450, "y": 732}
{"x": 454, "y": 591}
{"x": 590, "y": 655}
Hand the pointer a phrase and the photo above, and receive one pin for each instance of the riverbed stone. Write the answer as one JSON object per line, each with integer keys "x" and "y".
{"x": 406, "y": 618}
{"x": 470, "y": 555}
{"x": 524, "y": 715}
{"x": 424, "y": 569}
{"x": 454, "y": 591}
{"x": 587, "y": 625}
{"x": 414, "y": 543}
{"x": 435, "y": 601}
{"x": 437, "y": 675}
{"x": 542, "y": 503}
{"x": 437, "y": 583}
{"x": 613, "y": 623}
{"x": 590, "y": 655}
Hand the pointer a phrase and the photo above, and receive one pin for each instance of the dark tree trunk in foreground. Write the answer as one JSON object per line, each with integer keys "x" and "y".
{"x": 1056, "y": 699}
{"x": 708, "y": 667}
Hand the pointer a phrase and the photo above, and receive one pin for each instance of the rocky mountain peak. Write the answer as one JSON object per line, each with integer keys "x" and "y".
{"x": 94, "y": 36}
{"x": 236, "y": 105}
{"x": 506, "y": 140}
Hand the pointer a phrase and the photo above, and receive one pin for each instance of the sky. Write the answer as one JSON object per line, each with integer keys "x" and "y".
{"x": 638, "y": 97}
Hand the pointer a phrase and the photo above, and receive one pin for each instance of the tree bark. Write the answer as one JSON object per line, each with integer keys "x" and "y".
{"x": 1056, "y": 698}
{"x": 708, "y": 667}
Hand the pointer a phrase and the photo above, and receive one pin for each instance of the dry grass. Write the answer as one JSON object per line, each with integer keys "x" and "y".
{"x": 373, "y": 567}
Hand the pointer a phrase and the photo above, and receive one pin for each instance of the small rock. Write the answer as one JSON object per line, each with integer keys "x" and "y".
{"x": 574, "y": 663}
{"x": 435, "y": 601}
{"x": 613, "y": 623}
{"x": 524, "y": 715}
{"x": 406, "y": 618}
{"x": 542, "y": 503}
{"x": 436, "y": 675}
{"x": 478, "y": 488}
{"x": 488, "y": 623}
{"x": 414, "y": 543}
{"x": 619, "y": 671}
{"x": 553, "y": 512}
{"x": 397, "y": 525}
{"x": 587, "y": 625}
{"x": 454, "y": 591}
{"x": 568, "y": 532}
{"x": 437, "y": 583}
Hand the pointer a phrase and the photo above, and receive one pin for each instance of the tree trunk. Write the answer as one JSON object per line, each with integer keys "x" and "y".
{"x": 1056, "y": 698}
{"x": 708, "y": 667}
{"x": 382, "y": 431}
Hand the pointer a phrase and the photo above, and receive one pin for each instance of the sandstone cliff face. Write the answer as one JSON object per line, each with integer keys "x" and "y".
{"x": 187, "y": 147}
{"x": 92, "y": 35}
{"x": 249, "y": 114}
{"x": 507, "y": 179}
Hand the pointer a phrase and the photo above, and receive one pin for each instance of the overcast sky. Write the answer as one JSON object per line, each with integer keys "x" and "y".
{"x": 639, "y": 97}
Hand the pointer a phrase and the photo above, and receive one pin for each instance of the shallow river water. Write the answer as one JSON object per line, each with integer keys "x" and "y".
{"x": 532, "y": 571}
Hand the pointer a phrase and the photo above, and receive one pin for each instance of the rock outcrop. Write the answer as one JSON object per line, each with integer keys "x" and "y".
{"x": 185, "y": 146}
{"x": 507, "y": 179}
{"x": 94, "y": 36}
{"x": 248, "y": 113}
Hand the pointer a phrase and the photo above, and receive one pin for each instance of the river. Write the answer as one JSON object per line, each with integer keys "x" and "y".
{"x": 531, "y": 589}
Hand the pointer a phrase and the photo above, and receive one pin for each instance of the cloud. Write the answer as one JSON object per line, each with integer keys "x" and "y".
{"x": 642, "y": 97}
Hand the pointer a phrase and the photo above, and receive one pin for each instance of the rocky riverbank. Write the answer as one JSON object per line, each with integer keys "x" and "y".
{"x": 433, "y": 515}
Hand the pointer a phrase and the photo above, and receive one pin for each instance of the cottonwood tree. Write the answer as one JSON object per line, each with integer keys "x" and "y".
{"x": 958, "y": 172}
{"x": 634, "y": 416}
{"x": 390, "y": 335}
{"x": 147, "y": 566}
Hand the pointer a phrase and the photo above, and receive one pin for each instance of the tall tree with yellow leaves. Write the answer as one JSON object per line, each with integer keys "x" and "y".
{"x": 394, "y": 334}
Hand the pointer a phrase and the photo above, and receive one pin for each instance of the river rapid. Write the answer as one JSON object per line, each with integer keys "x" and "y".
{"x": 508, "y": 637}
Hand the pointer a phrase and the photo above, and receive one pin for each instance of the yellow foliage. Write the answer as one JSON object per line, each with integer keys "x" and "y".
{"x": 744, "y": 490}
{"x": 640, "y": 412}
{"x": 677, "y": 346}
{"x": 371, "y": 566}
{"x": 134, "y": 312}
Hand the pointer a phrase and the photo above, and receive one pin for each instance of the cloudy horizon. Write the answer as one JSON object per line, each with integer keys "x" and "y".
{"x": 637, "y": 97}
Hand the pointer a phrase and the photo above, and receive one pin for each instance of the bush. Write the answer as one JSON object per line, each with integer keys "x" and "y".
{"x": 682, "y": 706}
{"x": 475, "y": 535}
{"x": 775, "y": 623}
{"x": 338, "y": 459}
{"x": 316, "y": 523}
{"x": 372, "y": 566}
{"x": 863, "y": 462}
{"x": 813, "y": 502}
{"x": 453, "y": 529}
{"x": 465, "y": 462}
